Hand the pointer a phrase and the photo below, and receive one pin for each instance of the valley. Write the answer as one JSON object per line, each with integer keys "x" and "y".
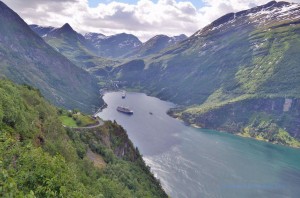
{"x": 239, "y": 74}
{"x": 256, "y": 66}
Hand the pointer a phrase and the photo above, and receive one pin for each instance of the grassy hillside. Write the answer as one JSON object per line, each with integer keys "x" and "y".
{"x": 39, "y": 158}
{"x": 25, "y": 58}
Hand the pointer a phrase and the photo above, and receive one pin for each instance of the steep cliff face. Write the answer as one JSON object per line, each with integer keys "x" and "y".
{"x": 112, "y": 136}
{"x": 272, "y": 119}
{"x": 124, "y": 162}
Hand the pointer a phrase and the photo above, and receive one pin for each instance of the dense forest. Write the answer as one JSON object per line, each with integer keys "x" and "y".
{"x": 41, "y": 158}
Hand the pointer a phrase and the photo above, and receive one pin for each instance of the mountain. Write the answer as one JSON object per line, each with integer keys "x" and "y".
{"x": 26, "y": 58}
{"x": 113, "y": 46}
{"x": 156, "y": 44}
{"x": 95, "y": 38}
{"x": 69, "y": 43}
{"x": 40, "y": 30}
{"x": 41, "y": 158}
{"x": 74, "y": 46}
{"x": 66, "y": 31}
{"x": 249, "y": 57}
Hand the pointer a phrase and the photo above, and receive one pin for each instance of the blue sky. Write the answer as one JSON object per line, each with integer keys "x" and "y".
{"x": 94, "y": 3}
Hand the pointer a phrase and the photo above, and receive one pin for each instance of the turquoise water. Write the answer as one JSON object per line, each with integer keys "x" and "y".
{"x": 196, "y": 163}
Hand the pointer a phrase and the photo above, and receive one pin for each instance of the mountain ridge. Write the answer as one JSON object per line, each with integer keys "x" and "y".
{"x": 156, "y": 44}
{"x": 41, "y": 30}
{"x": 114, "y": 46}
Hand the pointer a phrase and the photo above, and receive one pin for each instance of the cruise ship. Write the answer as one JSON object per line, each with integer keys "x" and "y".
{"x": 124, "y": 94}
{"x": 124, "y": 110}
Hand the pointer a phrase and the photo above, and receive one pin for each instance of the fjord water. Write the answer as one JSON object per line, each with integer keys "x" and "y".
{"x": 194, "y": 162}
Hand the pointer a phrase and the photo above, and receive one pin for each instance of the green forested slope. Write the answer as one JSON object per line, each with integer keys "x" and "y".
{"x": 39, "y": 158}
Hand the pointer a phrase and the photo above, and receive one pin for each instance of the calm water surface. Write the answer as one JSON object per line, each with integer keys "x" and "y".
{"x": 196, "y": 163}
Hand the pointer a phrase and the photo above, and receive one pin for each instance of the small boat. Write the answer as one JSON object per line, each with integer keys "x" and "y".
{"x": 124, "y": 94}
{"x": 124, "y": 110}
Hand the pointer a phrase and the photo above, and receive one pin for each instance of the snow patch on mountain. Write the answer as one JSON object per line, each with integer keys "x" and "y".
{"x": 287, "y": 12}
{"x": 268, "y": 14}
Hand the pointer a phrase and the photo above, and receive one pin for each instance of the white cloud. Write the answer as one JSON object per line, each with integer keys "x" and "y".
{"x": 144, "y": 19}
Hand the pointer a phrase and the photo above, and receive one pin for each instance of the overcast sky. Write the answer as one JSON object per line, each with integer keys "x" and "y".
{"x": 143, "y": 18}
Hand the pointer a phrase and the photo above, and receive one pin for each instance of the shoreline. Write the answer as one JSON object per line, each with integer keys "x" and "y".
{"x": 236, "y": 134}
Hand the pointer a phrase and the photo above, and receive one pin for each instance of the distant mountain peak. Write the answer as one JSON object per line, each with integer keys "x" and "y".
{"x": 274, "y": 4}
{"x": 67, "y": 28}
{"x": 114, "y": 45}
{"x": 267, "y": 6}
{"x": 93, "y": 35}
{"x": 123, "y": 34}
{"x": 180, "y": 37}
{"x": 66, "y": 31}
{"x": 173, "y": 39}
{"x": 42, "y": 31}
{"x": 156, "y": 44}
{"x": 67, "y": 25}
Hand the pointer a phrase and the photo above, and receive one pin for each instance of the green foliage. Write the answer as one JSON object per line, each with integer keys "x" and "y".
{"x": 14, "y": 112}
{"x": 33, "y": 171}
{"x": 263, "y": 127}
{"x": 40, "y": 158}
{"x": 68, "y": 121}
{"x": 283, "y": 137}
{"x": 124, "y": 163}
{"x": 84, "y": 120}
